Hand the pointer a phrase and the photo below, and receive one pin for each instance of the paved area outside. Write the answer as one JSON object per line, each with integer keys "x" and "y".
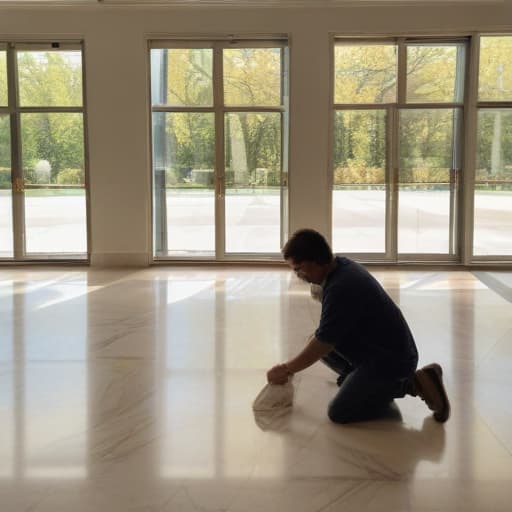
{"x": 57, "y": 223}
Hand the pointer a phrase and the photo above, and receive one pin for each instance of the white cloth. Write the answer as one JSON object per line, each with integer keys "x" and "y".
{"x": 316, "y": 291}
{"x": 274, "y": 397}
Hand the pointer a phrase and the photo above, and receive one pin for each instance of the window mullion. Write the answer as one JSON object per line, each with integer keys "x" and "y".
{"x": 393, "y": 143}
{"x": 18, "y": 203}
{"x": 219, "y": 174}
{"x": 402, "y": 73}
{"x": 470, "y": 143}
{"x": 285, "y": 95}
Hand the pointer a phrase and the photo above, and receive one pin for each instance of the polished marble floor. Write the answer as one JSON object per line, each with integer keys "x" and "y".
{"x": 131, "y": 391}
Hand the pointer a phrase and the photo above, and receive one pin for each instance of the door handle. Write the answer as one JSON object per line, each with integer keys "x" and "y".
{"x": 220, "y": 186}
{"x": 19, "y": 185}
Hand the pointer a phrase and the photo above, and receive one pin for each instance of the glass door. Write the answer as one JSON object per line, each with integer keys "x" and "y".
{"x": 6, "y": 205}
{"x": 42, "y": 157}
{"x": 398, "y": 114}
{"x": 183, "y": 151}
{"x": 492, "y": 235}
{"x": 429, "y": 157}
{"x": 218, "y": 112}
{"x": 365, "y": 88}
{"x": 254, "y": 101}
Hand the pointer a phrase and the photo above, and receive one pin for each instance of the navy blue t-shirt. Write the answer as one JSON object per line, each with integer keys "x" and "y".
{"x": 361, "y": 320}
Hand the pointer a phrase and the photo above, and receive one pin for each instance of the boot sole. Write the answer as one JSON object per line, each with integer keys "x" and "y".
{"x": 436, "y": 372}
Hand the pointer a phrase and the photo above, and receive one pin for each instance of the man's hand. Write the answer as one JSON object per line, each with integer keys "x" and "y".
{"x": 278, "y": 374}
{"x": 313, "y": 351}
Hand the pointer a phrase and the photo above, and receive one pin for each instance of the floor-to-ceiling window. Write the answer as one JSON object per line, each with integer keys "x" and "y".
{"x": 405, "y": 114}
{"x": 492, "y": 235}
{"x": 398, "y": 109}
{"x": 42, "y": 152}
{"x": 219, "y": 130}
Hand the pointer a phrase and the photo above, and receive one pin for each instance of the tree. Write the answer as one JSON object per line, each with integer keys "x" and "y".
{"x": 252, "y": 77}
{"x": 367, "y": 74}
{"x": 48, "y": 79}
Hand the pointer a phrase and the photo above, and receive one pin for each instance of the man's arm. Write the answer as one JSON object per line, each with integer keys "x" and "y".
{"x": 312, "y": 352}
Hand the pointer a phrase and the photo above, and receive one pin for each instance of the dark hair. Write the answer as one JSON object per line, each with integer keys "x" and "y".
{"x": 307, "y": 245}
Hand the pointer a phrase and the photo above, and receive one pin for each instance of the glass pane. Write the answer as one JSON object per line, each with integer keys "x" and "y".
{"x": 182, "y": 77}
{"x": 359, "y": 189}
{"x": 253, "y": 176}
{"x": 365, "y": 73}
{"x": 53, "y": 166}
{"x": 252, "y": 76}
{"x": 495, "y": 77}
{"x": 426, "y": 163}
{"x": 184, "y": 158}
{"x": 493, "y": 186}
{"x": 50, "y": 79}
{"x": 435, "y": 73}
{"x": 6, "y": 240}
{"x": 3, "y": 78}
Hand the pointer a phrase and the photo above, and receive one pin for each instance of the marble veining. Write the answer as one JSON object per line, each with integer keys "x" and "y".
{"x": 131, "y": 391}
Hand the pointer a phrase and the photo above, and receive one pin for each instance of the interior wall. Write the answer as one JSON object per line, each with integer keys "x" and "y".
{"x": 117, "y": 92}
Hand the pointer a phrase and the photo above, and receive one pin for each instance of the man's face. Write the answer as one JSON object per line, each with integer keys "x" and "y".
{"x": 308, "y": 271}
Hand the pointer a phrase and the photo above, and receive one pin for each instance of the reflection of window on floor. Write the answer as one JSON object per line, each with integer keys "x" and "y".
{"x": 7, "y": 410}
{"x": 43, "y": 398}
{"x": 48, "y": 198}
{"x": 211, "y": 370}
{"x": 189, "y": 401}
{"x": 218, "y": 125}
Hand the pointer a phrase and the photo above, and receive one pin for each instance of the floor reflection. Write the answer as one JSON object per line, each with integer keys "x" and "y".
{"x": 132, "y": 390}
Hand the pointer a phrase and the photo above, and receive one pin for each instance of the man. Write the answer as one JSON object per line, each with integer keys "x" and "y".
{"x": 362, "y": 336}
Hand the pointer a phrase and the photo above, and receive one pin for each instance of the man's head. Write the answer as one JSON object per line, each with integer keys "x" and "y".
{"x": 309, "y": 255}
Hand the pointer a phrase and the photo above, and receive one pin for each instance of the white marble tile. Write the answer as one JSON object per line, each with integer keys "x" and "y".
{"x": 131, "y": 391}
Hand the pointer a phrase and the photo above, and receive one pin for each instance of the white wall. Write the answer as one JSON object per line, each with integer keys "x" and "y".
{"x": 117, "y": 94}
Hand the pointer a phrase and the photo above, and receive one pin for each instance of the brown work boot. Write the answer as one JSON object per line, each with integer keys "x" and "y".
{"x": 428, "y": 385}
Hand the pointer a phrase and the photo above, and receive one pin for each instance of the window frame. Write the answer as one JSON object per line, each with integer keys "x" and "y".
{"x": 15, "y": 110}
{"x": 393, "y": 109}
{"x": 219, "y": 109}
{"x": 478, "y": 106}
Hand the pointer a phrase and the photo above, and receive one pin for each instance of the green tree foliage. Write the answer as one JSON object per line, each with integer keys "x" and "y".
{"x": 252, "y": 77}
{"x": 190, "y": 139}
{"x": 50, "y": 79}
{"x": 367, "y": 74}
{"x": 432, "y": 73}
{"x": 3, "y": 78}
{"x": 5, "y": 147}
{"x": 494, "y": 146}
{"x": 360, "y": 147}
{"x": 46, "y": 79}
{"x": 189, "y": 76}
{"x": 54, "y": 137}
{"x": 495, "y": 79}
{"x": 5, "y": 144}
{"x": 260, "y": 134}
{"x": 426, "y": 145}
{"x": 71, "y": 177}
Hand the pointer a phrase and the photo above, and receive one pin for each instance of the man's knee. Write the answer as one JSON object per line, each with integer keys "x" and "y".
{"x": 340, "y": 416}
{"x": 351, "y": 414}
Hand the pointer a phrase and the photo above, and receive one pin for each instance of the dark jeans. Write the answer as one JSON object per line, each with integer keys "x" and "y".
{"x": 367, "y": 390}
